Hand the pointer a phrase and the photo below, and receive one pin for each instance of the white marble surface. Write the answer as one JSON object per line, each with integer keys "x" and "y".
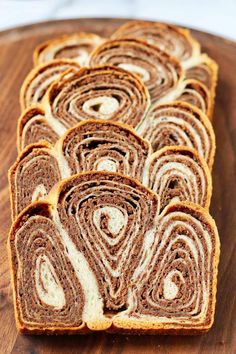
{"x": 215, "y": 16}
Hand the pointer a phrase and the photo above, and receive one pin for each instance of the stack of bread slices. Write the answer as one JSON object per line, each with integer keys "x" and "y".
{"x": 111, "y": 189}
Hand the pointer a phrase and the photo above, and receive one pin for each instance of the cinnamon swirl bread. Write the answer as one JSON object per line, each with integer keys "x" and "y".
{"x": 33, "y": 127}
{"x": 179, "y": 43}
{"x": 102, "y": 92}
{"x": 205, "y": 71}
{"x": 179, "y": 123}
{"x": 76, "y": 46}
{"x": 176, "y": 41}
{"x": 97, "y": 255}
{"x": 160, "y": 72}
{"x": 175, "y": 173}
{"x": 192, "y": 92}
{"x": 41, "y": 77}
{"x": 178, "y": 173}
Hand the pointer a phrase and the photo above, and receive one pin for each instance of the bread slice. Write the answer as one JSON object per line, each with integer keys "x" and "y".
{"x": 179, "y": 123}
{"x": 102, "y": 92}
{"x": 34, "y": 127}
{"x": 41, "y": 77}
{"x": 75, "y": 46}
{"x": 187, "y": 125}
{"x": 177, "y": 42}
{"x": 160, "y": 72}
{"x": 97, "y": 255}
{"x": 205, "y": 71}
{"x": 175, "y": 173}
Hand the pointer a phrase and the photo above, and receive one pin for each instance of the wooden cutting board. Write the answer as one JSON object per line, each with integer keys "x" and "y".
{"x": 16, "y": 47}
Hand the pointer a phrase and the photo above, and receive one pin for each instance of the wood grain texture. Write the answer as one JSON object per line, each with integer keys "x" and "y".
{"x": 16, "y": 47}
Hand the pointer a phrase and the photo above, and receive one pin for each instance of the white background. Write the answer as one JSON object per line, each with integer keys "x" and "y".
{"x": 215, "y": 16}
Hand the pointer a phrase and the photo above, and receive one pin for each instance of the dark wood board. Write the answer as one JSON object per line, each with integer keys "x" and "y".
{"x": 16, "y": 47}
